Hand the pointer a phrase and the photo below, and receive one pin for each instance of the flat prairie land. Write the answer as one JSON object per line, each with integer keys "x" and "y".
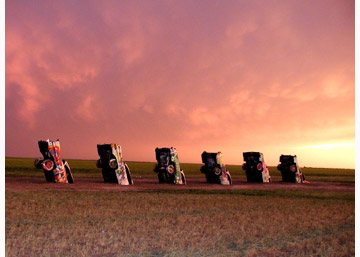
{"x": 24, "y": 167}
{"x": 91, "y": 218}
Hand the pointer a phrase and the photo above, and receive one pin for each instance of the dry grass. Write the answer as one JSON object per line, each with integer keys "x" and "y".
{"x": 187, "y": 223}
{"x": 179, "y": 223}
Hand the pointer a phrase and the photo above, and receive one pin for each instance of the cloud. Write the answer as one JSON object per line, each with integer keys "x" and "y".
{"x": 241, "y": 74}
{"x": 334, "y": 86}
{"x": 87, "y": 108}
{"x": 236, "y": 32}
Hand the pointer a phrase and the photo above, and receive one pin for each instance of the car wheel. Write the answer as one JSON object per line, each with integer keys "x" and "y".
{"x": 47, "y": 165}
{"x": 217, "y": 171}
{"x": 37, "y": 162}
{"x": 293, "y": 168}
{"x": 170, "y": 169}
{"x": 113, "y": 164}
{"x": 99, "y": 164}
{"x": 128, "y": 174}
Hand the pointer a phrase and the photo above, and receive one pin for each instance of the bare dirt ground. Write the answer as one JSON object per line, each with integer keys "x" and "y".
{"x": 16, "y": 184}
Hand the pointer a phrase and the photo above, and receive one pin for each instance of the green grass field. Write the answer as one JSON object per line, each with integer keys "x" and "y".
{"x": 178, "y": 222}
{"x": 24, "y": 167}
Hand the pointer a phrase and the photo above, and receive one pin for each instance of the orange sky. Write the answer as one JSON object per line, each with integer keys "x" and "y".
{"x": 271, "y": 76}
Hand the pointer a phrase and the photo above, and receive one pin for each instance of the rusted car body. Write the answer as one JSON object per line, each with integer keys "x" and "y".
{"x": 113, "y": 167}
{"x": 168, "y": 166}
{"x": 255, "y": 167}
{"x": 214, "y": 168}
{"x": 55, "y": 168}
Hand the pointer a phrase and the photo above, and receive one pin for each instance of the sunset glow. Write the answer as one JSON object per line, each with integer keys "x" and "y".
{"x": 328, "y": 146}
{"x": 276, "y": 77}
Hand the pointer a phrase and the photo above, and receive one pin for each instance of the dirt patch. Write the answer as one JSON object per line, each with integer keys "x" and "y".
{"x": 15, "y": 184}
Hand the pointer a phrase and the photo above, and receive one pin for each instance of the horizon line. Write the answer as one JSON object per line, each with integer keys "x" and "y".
{"x": 187, "y": 163}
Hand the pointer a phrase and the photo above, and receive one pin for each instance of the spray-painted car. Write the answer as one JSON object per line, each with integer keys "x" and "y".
{"x": 255, "y": 167}
{"x": 290, "y": 170}
{"x": 55, "y": 169}
{"x": 114, "y": 169}
{"x": 168, "y": 166}
{"x": 214, "y": 168}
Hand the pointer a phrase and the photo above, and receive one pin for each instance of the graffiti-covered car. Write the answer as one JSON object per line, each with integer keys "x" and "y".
{"x": 214, "y": 168}
{"x": 255, "y": 167}
{"x": 114, "y": 169}
{"x": 168, "y": 166}
{"x": 290, "y": 170}
{"x": 55, "y": 168}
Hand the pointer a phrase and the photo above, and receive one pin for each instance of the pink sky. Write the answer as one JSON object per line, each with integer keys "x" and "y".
{"x": 271, "y": 76}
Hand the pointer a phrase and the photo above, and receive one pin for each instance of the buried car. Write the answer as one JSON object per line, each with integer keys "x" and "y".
{"x": 214, "y": 168}
{"x": 255, "y": 167}
{"x": 168, "y": 166}
{"x": 114, "y": 169}
{"x": 289, "y": 168}
{"x": 55, "y": 169}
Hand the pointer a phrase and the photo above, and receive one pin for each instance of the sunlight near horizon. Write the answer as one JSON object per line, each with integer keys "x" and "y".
{"x": 335, "y": 155}
{"x": 328, "y": 146}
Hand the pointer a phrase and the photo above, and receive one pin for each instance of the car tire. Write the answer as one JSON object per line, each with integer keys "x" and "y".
{"x": 217, "y": 171}
{"x": 156, "y": 169}
{"x": 113, "y": 164}
{"x": 37, "y": 162}
{"x": 170, "y": 169}
{"x": 48, "y": 165}
{"x": 99, "y": 164}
